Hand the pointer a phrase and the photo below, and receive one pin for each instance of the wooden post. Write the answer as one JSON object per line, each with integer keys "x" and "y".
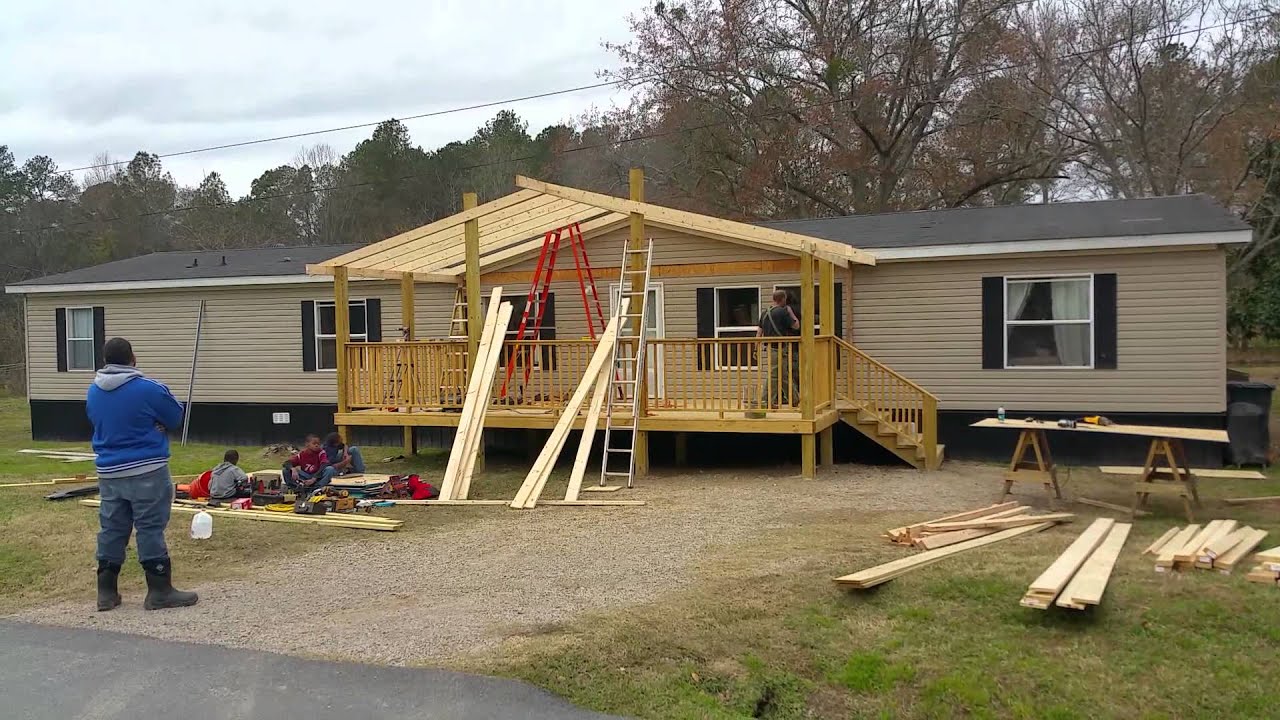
{"x": 475, "y": 321}
{"x": 407, "y": 370}
{"x": 930, "y": 433}
{"x": 825, "y": 446}
{"x": 342, "y": 331}
{"x": 827, "y": 319}
{"x": 638, "y": 300}
{"x": 682, "y": 449}
{"x": 808, "y": 441}
{"x": 826, "y": 297}
{"x": 848, "y": 301}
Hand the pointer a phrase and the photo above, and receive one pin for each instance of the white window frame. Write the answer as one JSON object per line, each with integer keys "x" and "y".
{"x": 362, "y": 337}
{"x": 655, "y": 370}
{"x": 715, "y": 308}
{"x": 1004, "y": 303}
{"x": 93, "y": 340}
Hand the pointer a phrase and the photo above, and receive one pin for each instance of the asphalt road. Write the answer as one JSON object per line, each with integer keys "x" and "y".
{"x": 53, "y": 673}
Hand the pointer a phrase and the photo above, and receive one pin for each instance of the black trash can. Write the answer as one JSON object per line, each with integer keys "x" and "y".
{"x": 1248, "y": 418}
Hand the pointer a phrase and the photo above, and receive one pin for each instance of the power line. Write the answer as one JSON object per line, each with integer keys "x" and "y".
{"x": 623, "y": 141}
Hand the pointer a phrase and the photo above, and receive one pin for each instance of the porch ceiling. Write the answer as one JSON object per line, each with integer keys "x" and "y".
{"x": 512, "y": 227}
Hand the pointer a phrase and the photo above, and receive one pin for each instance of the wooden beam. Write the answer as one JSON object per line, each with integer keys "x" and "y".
{"x": 898, "y": 534}
{"x": 890, "y": 570}
{"x": 691, "y": 270}
{"x": 682, "y": 449}
{"x": 588, "y": 434}
{"x": 1164, "y": 558}
{"x": 1111, "y": 506}
{"x": 355, "y": 522}
{"x": 495, "y": 259}
{"x": 818, "y": 253}
{"x": 806, "y": 338}
{"x": 492, "y": 353}
{"x": 342, "y": 331}
{"x": 1247, "y": 500}
{"x": 527, "y": 495}
{"x": 1045, "y": 588}
{"x": 826, "y": 447}
{"x": 476, "y": 398}
{"x": 1154, "y": 548}
{"x": 1090, "y": 581}
{"x": 999, "y": 523}
{"x": 407, "y": 319}
{"x": 808, "y": 455}
{"x": 743, "y": 232}
{"x": 1227, "y": 561}
{"x": 826, "y": 297}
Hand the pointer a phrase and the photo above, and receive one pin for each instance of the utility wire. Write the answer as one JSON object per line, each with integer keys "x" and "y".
{"x": 623, "y": 141}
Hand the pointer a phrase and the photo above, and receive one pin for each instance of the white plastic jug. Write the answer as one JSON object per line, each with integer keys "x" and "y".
{"x": 202, "y": 526}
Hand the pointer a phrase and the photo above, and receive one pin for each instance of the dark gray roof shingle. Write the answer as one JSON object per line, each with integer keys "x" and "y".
{"x": 1009, "y": 223}
{"x": 192, "y": 265}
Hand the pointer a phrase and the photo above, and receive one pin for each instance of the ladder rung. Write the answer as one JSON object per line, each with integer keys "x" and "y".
{"x": 625, "y": 450}
{"x": 624, "y": 380}
{"x": 615, "y": 473}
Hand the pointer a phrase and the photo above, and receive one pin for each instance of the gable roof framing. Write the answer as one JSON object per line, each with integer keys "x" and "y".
{"x": 512, "y": 227}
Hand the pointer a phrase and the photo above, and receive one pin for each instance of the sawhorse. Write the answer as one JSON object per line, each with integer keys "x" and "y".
{"x": 1040, "y": 470}
{"x": 1166, "y": 453}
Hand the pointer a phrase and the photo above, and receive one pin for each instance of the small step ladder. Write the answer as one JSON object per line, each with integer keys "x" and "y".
{"x": 628, "y": 364}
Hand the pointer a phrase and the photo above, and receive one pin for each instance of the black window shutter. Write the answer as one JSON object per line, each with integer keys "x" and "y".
{"x": 308, "y": 335}
{"x": 99, "y": 336}
{"x": 60, "y": 325}
{"x": 706, "y": 311}
{"x": 1104, "y": 321}
{"x": 993, "y": 323}
{"x": 373, "y": 319}
{"x": 548, "y": 332}
{"x": 839, "y": 310}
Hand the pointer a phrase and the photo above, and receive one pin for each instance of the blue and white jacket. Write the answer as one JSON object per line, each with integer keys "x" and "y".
{"x": 131, "y": 415}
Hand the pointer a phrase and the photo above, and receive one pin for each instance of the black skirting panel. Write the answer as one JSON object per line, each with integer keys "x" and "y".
{"x": 252, "y": 424}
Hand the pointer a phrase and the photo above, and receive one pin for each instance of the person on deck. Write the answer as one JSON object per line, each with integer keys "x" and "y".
{"x": 784, "y": 359}
{"x": 131, "y": 416}
{"x": 309, "y": 469}
{"x": 227, "y": 481}
{"x": 345, "y": 460}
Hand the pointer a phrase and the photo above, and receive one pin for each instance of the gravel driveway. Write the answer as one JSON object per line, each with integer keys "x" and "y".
{"x": 425, "y": 598}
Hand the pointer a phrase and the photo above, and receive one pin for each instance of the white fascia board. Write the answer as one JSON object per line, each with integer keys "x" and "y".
{"x": 1228, "y": 237}
{"x": 245, "y": 281}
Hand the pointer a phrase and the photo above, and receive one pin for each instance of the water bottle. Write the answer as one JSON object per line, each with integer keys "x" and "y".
{"x": 202, "y": 526}
{"x": 1000, "y": 414}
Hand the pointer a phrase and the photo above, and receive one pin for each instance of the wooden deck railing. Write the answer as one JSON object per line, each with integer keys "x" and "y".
{"x": 555, "y": 368}
{"x": 407, "y": 375}
{"x": 896, "y": 400}
{"x": 724, "y": 374}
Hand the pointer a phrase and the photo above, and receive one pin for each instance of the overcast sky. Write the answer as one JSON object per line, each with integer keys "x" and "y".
{"x": 81, "y": 78}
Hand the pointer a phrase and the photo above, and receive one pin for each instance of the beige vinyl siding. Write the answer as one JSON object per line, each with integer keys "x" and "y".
{"x": 924, "y": 319}
{"x": 251, "y": 344}
{"x": 669, "y": 248}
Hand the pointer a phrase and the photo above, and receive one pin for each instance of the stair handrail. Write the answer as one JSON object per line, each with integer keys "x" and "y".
{"x": 841, "y": 342}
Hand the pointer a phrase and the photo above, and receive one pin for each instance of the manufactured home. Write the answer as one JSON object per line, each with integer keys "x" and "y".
{"x": 914, "y": 325}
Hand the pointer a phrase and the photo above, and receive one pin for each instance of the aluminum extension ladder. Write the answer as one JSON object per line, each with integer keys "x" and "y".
{"x": 628, "y": 364}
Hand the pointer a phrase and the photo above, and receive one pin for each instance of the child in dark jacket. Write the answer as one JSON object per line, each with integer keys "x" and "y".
{"x": 309, "y": 469}
{"x": 344, "y": 459}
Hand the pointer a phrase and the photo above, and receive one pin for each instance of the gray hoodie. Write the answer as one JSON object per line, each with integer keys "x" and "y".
{"x": 225, "y": 480}
{"x": 111, "y": 377}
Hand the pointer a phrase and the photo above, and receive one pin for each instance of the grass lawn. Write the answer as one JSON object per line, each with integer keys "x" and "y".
{"x": 767, "y": 634}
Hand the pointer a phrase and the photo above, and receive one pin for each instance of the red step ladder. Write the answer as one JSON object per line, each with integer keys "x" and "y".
{"x": 536, "y": 303}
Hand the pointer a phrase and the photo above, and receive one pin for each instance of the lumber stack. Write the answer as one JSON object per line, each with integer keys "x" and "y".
{"x": 1079, "y": 576}
{"x": 1220, "y": 545}
{"x": 969, "y": 525}
{"x": 345, "y": 520}
{"x": 880, "y": 574}
{"x": 1267, "y": 571}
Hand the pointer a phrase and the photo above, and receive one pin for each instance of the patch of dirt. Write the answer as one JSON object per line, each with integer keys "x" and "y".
{"x": 424, "y": 598}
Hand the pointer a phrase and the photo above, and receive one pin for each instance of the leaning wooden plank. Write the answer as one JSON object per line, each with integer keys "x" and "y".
{"x": 1056, "y": 576}
{"x": 1188, "y": 552}
{"x": 999, "y": 523}
{"x": 602, "y": 488}
{"x": 1198, "y": 472}
{"x": 492, "y": 355}
{"x": 937, "y": 540}
{"x": 1164, "y": 559}
{"x": 967, "y": 515}
{"x": 1090, "y": 581}
{"x": 593, "y": 503}
{"x": 527, "y": 495}
{"x": 471, "y": 403}
{"x": 588, "y": 434}
{"x": 1154, "y": 548}
{"x": 1247, "y": 500}
{"x": 1111, "y": 506}
{"x": 883, "y": 573}
{"x": 1227, "y": 562}
{"x": 447, "y": 502}
{"x": 288, "y": 518}
{"x": 1220, "y": 546}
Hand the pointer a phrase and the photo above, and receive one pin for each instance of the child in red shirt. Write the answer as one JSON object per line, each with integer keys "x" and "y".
{"x": 309, "y": 469}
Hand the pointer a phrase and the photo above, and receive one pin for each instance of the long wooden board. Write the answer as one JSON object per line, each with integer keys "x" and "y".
{"x": 588, "y": 434}
{"x": 1154, "y": 548}
{"x": 999, "y": 523}
{"x": 967, "y": 515}
{"x": 938, "y": 540}
{"x": 1272, "y": 555}
{"x": 1198, "y": 472}
{"x": 1247, "y": 500}
{"x": 527, "y": 495}
{"x": 492, "y": 355}
{"x": 888, "y": 571}
{"x": 1156, "y": 431}
{"x": 288, "y": 518}
{"x": 1225, "y": 528}
{"x": 1188, "y": 552}
{"x": 1164, "y": 559}
{"x": 1227, "y": 562}
{"x": 1221, "y": 546}
{"x": 1111, "y": 506}
{"x": 471, "y": 402}
{"x": 1058, "y": 574}
{"x": 1090, "y": 581}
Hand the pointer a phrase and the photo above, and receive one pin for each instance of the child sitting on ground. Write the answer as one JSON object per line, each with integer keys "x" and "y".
{"x": 228, "y": 481}
{"x": 343, "y": 459}
{"x": 309, "y": 469}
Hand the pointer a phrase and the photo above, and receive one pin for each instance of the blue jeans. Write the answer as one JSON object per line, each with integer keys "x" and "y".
{"x": 294, "y": 477}
{"x": 357, "y": 460}
{"x": 143, "y": 502}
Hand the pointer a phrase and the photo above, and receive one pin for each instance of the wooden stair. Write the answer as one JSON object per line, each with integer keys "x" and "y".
{"x": 911, "y": 448}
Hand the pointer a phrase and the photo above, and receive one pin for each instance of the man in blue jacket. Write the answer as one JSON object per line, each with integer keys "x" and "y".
{"x": 131, "y": 416}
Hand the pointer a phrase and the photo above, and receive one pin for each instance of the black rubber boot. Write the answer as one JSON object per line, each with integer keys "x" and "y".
{"x": 108, "y": 595}
{"x": 160, "y": 592}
